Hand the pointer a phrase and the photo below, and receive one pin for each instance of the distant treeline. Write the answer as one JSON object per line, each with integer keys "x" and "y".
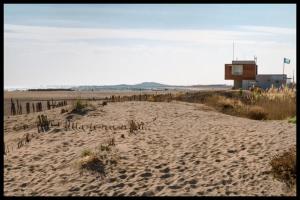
{"x": 51, "y": 89}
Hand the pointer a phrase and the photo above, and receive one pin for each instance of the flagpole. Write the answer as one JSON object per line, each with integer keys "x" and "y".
{"x": 293, "y": 76}
{"x": 283, "y": 72}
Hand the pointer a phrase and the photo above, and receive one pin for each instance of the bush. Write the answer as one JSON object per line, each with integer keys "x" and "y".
{"x": 78, "y": 105}
{"x": 292, "y": 120}
{"x": 93, "y": 163}
{"x": 284, "y": 167}
{"x": 224, "y": 104}
{"x": 257, "y": 113}
{"x": 102, "y": 159}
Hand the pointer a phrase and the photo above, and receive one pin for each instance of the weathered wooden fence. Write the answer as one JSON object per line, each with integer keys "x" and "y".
{"x": 16, "y": 106}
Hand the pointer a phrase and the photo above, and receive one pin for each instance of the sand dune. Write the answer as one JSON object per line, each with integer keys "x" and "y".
{"x": 184, "y": 149}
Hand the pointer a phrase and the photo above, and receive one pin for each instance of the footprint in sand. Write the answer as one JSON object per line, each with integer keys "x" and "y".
{"x": 132, "y": 193}
{"x": 165, "y": 170}
{"x": 123, "y": 176}
{"x": 120, "y": 185}
{"x": 159, "y": 188}
{"x": 174, "y": 187}
{"x": 146, "y": 174}
{"x": 158, "y": 166}
{"x": 166, "y": 176}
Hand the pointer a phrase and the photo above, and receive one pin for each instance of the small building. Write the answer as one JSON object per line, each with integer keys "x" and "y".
{"x": 244, "y": 75}
{"x": 265, "y": 81}
{"x": 241, "y": 71}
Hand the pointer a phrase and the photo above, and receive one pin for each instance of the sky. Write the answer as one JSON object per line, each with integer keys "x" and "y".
{"x": 179, "y": 44}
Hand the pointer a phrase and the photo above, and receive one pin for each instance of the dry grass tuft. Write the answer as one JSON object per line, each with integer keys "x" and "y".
{"x": 225, "y": 104}
{"x": 78, "y": 107}
{"x": 132, "y": 126}
{"x": 284, "y": 167}
{"x": 86, "y": 152}
{"x": 257, "y": 113}
{"x": 104, "y": 158}
{"x": 92, "y": 163}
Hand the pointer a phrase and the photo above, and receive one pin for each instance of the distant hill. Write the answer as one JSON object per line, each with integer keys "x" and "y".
{"x": 150, "y": 85}
{"x": 143, "y": 86}
{"x": 51, "y": 89}
{"x": 140, "y": 86}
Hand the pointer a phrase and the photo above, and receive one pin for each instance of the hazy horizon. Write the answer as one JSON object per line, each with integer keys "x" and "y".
{"x": 107, "y": 44}
{"x": 70, "y": 86}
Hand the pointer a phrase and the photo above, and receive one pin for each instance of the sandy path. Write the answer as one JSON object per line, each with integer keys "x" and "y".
{"x": 185, "y": 149}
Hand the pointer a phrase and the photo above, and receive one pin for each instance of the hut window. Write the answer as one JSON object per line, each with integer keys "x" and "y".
{"x": 237, "y": 69}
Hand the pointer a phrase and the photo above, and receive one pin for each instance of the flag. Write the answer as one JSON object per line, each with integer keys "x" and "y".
{"x": 286, "y": 60}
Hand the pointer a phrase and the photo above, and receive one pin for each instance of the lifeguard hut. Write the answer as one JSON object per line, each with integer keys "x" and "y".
{"x": 242, "y": 72}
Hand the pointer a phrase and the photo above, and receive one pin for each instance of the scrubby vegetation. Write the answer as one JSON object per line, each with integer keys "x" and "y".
{"x": 278, "y": 103}
{"x": 132, "y": 126}
{"x": 257, "y": 113}
{"x": 101, "y": 160}
{"x": 86, "y": 152}
{"x": 292, "y": 120}
{"x": 284, "y": 167}
{"x": 78, "y": 106}
{"x": 258, "y": 104}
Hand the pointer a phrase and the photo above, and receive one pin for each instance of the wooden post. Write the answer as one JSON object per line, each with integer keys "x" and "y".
{"x": 18, "y": 106}
{"x": 28, "y": 108}
{"x": 48, "y": 105}
{"x": 13, "y": 108}
{"x": 39, "y": 125}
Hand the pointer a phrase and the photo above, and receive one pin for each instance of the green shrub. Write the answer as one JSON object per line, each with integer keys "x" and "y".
{"x": 292, "y": 120}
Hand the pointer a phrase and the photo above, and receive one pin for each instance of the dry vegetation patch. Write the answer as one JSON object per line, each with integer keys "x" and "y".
{"x": 284, "y": 167}
{"x": 81, "y": 108}
{"x": 101, "y": 160}
{"x": 257, "y": 113}
{"x": 258, "y": 104}
{"x": 134, "y": 126}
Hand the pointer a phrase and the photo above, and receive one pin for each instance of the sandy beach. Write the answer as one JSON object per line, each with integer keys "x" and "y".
{"x": 184, "y": 149}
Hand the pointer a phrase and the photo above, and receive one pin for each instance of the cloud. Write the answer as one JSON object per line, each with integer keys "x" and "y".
{"x": 78, "y": 56}
{"x": 246, "y": 34}
{"x": 270, "y": 30}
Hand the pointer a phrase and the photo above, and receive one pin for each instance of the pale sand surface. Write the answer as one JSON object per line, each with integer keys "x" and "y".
{"x": 185, "y": 149}
{"x": 35, "y": 96}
